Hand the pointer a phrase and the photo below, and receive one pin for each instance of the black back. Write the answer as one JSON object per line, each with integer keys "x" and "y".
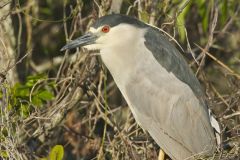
{"x": 116, "y": 19}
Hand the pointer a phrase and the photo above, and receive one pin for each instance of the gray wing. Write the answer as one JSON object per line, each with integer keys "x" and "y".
{"x": 170, "y": 58}
{"x": 172, "y": 115}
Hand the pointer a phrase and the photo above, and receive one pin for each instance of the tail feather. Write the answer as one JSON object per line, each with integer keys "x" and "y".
{"x": 216, "y": 127}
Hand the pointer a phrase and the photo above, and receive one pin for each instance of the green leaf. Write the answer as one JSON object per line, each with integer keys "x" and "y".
{"x": 45, "y": 95}
{"x": 181, "y": 22}
{"x": 224, "y": 11}
{"x": 24, "y": 110}
{"x": 203, "y": 11}
{"x": 36, "y": 77}
{"x": 200, "y": 2}
{"x": 205, "y": 21}
{"x": 144, "y": 16}
{"x": 9, "y": 107}
{"x": 57, "y": 153}
{"x": 1, "y": 94}
{"x": 46, "y": 11}
{"x": 36, "y": 101}
{"x": 52, "y": 84}
{"x": 3, "y": 154}
{"x": 30, "y": 83}
{"x": 21, "y": 90}
{"x": 4, "y": 132}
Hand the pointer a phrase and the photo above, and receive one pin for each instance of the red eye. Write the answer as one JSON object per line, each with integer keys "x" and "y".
{"x": 106, "y": 29}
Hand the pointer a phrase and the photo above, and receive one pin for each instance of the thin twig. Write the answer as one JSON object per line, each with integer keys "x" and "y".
{"x": 219, "y": 62}
{"x": 232, "y": 115}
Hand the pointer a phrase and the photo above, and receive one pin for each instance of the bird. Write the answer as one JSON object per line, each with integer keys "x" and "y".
{"x": 162, "y": 92}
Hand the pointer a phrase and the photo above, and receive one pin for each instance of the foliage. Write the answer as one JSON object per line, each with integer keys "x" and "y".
{"x": 33, "y": 94}
{"x": 57, "y": 153}
{"x": 22, "y": 100}
{"x": 70, "y": 108}
{"x": 226, "y": 9}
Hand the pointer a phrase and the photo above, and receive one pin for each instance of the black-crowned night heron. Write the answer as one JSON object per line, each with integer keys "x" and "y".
{"x": 162, "y": 92}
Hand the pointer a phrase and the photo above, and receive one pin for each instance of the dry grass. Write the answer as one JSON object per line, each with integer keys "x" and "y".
{"x": 88, "y": 115}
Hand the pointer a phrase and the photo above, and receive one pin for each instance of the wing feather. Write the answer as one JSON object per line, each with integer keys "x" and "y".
{"x": 169, "y": 110}
{"x": 179, "y": 128}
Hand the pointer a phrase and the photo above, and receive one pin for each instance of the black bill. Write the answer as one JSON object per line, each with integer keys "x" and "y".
{"x": 88, "y": 38}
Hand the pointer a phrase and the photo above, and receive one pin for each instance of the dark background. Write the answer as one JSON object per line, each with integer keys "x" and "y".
{"x": 51, "y": 98}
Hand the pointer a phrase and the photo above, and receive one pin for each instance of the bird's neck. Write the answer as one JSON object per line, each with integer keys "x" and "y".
{"x": 119, "y": 63}
{"x": 126, "y": 64}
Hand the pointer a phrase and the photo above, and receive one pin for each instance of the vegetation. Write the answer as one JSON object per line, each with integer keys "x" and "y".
{"x": 56, "y": 105}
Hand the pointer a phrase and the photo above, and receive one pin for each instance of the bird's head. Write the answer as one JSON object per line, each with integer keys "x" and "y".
{"x": 112, "y": 30}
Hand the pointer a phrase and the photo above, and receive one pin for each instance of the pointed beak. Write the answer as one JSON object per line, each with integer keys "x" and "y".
{"x": 88, "y": 38}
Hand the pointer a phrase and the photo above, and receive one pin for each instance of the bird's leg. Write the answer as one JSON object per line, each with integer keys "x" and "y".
{"x": 161, "y": 155}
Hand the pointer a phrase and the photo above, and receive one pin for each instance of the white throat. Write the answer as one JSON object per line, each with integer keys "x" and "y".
{"x": 123, "y": 53}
